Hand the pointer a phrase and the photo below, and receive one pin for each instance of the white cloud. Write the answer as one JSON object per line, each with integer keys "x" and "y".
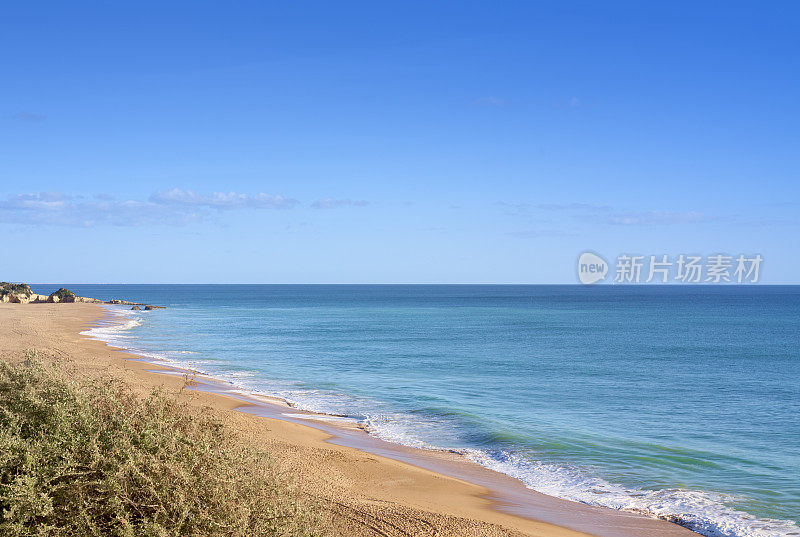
{"x": 330, "y": 203}
{"x": 221, "y": 200}
{"x": 169, "y": 207}
{"x": 606, "y": 214}
{"x": 659, "y": 218}
{"x": 574, "y": 207}
{"x": 28, "y": 116}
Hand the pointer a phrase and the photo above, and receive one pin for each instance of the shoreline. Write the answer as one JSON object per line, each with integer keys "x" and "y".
{"x": 509, "y": 494}
{"x": 441, "y": 482}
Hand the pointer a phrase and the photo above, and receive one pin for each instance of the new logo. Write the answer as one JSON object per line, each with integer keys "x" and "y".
{"x": 591, "y": 268}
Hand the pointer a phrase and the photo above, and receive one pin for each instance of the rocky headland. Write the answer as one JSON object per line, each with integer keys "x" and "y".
{"x": 21, "y": 293}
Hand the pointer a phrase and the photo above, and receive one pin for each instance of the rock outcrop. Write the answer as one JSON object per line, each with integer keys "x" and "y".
{"x": 21, "y": 293}
{"x": 136, "y": 308}
{"x": 87, "y": 300}
{"x": 62, "y": 295}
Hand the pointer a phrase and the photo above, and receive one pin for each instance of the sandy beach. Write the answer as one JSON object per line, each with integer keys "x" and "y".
{"x": 366, "y": 486}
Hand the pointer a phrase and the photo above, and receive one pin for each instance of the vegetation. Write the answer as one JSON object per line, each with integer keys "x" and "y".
{"x": 7, "y": 288}
{"x": 64, "y": 295}
{"x": 90, "y": 459}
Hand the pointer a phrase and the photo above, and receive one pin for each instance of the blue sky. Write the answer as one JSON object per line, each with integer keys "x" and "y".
{"x": 418, "y": 142}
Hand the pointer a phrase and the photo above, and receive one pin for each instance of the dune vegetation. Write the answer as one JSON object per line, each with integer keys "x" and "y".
{"x": 90, "y": 458}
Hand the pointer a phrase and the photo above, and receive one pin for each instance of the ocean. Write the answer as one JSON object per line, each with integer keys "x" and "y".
{"x": 679, "y": 401}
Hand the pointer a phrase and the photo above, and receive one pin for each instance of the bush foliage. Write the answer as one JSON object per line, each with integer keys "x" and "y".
{"x": 63, "y": 294}
{"x": 90, "y": 459}
{"x": 7, "y": 288}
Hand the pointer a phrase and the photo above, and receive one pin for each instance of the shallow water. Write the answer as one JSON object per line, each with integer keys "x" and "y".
{"x": 679, "y": 401}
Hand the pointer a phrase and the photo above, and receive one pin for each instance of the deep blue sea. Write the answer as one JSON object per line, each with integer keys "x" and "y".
{"x": 680, "y": 401}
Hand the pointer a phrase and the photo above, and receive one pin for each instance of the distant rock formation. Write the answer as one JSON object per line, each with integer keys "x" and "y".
{"x": 21, "y": 293}
{"x": 62, "y": 295}
{"x": 136, "y": 308}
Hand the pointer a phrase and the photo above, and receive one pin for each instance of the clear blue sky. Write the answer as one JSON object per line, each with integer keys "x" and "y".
{"x": 416, "y": 142}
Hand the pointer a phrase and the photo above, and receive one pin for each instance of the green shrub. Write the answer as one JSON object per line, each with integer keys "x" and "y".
{"x": 81, "y": 458}
{"x": 7, "y": 288}
{"x": 63, "y": 294}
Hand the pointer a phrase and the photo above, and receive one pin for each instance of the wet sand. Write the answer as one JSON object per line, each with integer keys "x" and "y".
{"x": 365, "y": 486}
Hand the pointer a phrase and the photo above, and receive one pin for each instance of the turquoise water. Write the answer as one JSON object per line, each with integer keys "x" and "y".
{"x": 680, "y": 401}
